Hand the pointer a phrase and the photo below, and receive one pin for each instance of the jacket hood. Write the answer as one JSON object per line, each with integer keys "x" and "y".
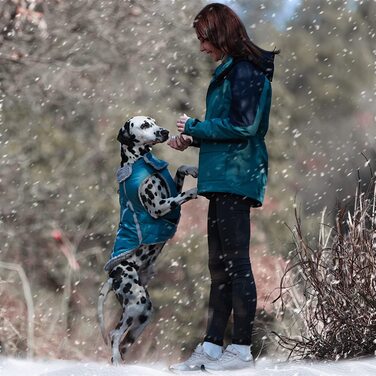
{"x": 266, "y": 64}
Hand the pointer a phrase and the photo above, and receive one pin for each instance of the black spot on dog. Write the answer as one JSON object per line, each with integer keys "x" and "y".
{"x": 129, "y": 320}
{"x": 127, "y": 288}
{"x": 130, "y": 269}
{"x": 145, "y": 125}
{"x": 139, "y": 252}
{"x": 174, "y": 205}
{"x": 142, "y": 318}
{"x": 116, "y": 273}
{"x": 123, "y": 133}
{"x": 143, "y": 300}
{"x": 116, "y": 284}
{"x": 124, "y": 157}
{"x": 133, "y": 265}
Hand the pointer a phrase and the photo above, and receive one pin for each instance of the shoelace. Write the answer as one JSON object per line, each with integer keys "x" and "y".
{"x": 227, "y": 356}
{"x": 195, "y": 355}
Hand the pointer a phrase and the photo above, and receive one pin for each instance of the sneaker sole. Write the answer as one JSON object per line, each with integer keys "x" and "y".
{"x": 216, "y": 371}
{"x": 188, "y": 371}
{"x": 193, "y": 372}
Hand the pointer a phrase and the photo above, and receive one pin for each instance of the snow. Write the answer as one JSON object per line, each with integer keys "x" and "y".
{"x": 264, "y": 367}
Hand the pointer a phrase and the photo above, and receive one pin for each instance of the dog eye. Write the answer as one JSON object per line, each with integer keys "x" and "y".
{"x": 145, "y": 125}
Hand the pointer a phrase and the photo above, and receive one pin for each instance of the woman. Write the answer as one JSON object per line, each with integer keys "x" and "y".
{"x": 233, "y": 166}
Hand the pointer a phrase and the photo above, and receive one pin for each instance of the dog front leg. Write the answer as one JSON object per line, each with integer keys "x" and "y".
{"x": 181, "y": 173}
{"x": 168, "y": 204}
{"x": 153, "y": 194}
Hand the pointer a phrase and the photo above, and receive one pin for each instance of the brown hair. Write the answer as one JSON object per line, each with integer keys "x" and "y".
{"x": 221, "y": 26}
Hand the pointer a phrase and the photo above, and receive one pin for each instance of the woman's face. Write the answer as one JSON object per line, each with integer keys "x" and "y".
{"x": 207, "y": 47}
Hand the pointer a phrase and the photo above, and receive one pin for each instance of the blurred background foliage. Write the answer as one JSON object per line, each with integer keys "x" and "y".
{"x": 71, "y": 72}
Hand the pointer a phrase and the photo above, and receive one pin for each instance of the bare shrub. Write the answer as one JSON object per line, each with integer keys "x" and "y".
{"x": 13, "y": 313}
{"x": 331, "y": 286}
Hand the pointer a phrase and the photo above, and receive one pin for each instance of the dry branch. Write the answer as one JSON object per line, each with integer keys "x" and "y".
{"x": 29, "y": 303}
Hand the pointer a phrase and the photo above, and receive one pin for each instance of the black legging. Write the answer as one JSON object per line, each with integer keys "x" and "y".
{"x": 232, "y": 285}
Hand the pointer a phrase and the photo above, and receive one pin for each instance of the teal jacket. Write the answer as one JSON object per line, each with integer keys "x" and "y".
{"x": 233, "y": 156}
{"x": 137, "y": 227}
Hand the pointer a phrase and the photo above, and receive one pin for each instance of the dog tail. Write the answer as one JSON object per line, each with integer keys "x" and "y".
{"x": 101, "y": 299}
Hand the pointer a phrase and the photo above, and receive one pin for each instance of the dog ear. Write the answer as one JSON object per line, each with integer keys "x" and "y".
{"x": 123, "y": 135}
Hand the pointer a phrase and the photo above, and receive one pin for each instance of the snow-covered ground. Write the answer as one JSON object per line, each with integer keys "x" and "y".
{"x": 16, "y": 367}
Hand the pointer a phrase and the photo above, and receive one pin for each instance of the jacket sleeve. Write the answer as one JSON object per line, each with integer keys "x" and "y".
{"x": 249, "y": 92}
{"x": 196, "y": 142}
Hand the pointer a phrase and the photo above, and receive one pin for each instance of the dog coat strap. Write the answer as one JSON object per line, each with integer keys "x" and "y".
{"x": 123, "y": 173}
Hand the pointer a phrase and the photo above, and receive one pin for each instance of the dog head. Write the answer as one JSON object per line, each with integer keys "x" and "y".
{"x": 141, "y": 130}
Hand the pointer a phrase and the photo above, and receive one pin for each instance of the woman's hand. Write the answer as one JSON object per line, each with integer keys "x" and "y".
{"x": 181, "y": 122}
{"x": 180, "y": 142}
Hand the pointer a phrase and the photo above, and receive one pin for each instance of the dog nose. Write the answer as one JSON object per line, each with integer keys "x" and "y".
{"x": 164, "y": 133}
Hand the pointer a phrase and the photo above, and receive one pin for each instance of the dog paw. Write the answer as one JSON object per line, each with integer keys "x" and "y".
{"x": 116, "y": 360}
{"x": 192, "y": 193}
{"x": 193, "y": 171}
{"x": 188, "y": 170}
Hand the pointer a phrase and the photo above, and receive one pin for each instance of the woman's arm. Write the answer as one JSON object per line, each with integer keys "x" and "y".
{"x": 249, "y": 93}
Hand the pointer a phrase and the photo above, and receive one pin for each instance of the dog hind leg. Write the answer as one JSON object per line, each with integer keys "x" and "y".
{"x": 139, "y": 324}
{"x": 116, "y": 336}
{"x": 123, "y": 277}
{"x": 136, "y": 307}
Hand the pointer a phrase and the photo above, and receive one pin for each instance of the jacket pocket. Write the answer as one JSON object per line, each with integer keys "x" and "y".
{"x": 213, "y": 162}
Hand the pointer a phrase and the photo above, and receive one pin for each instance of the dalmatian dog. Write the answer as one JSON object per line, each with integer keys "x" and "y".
{"x": 130, "y": 272}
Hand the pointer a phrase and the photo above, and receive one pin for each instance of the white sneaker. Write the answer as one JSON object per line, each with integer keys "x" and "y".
{"x": 194, "y": 363}
{"x": 231, "y": 359}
